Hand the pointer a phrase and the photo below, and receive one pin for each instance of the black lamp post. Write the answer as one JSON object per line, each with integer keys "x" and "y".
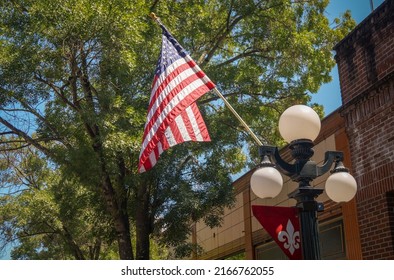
{"x": 300, "y": 125}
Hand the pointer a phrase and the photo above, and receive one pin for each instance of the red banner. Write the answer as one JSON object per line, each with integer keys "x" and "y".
{"x": 283, "y": 224}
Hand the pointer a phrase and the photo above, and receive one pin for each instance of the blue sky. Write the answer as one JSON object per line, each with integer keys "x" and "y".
{"x": 329, "y": 94}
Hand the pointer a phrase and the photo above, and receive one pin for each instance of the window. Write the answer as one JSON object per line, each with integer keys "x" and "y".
{"x": 332, "y": 243}
{"x": 270, "y": 251}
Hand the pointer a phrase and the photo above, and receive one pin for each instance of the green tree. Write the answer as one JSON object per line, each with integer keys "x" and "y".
{"x": 49, "y": 214}
{"x": 74, "y": 86}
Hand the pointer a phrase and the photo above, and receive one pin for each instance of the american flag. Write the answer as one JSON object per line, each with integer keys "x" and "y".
{"x": 173, "y": 116}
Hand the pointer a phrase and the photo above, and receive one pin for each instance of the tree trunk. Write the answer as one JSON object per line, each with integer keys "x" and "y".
{"x": 72, "y": 244}
{"x": 143, "y": 224}
{"x": 116, "y": 208}
{"x": 116, "y": 203}
{"x": 120, "y": 219}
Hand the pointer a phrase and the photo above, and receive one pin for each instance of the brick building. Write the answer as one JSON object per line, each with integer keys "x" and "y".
{"x": 365, "y": 61}
{"x": 363, "y": 128}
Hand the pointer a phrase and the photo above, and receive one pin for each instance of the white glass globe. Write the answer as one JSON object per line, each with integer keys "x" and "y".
{"x": 266, "y": 182}
{"x": 341, "y": 187}
{"x": 299, "y": 122}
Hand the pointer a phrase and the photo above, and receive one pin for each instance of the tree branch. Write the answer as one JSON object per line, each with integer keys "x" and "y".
{"x": 215, "y": 97}
{"x": 6, "y": 133}
{"x": 25, "y": 136}
{"x": 220, "y": 38}
{"x": 78, "y": 254}
{"x": 153, "y": 6}
{"x": 255, "y": 52}
{"x": 14, "y": 149}
{"x": 56, "y": 91}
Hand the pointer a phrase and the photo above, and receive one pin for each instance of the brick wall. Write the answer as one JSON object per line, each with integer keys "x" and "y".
{"x": 366, "y": 69}
{"x": 366, "y": 55}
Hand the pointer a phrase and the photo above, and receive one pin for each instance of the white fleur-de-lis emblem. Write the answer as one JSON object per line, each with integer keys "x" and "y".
{"x": 290, "y": 238}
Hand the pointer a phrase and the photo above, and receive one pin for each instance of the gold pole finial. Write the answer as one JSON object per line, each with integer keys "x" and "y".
{"x": 153, "y": 16}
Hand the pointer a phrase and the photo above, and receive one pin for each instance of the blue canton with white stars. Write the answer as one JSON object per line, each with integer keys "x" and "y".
{"x": 171, "y": 51}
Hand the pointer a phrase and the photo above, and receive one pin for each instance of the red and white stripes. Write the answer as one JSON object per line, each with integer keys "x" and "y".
{"x": 173, "y": 116}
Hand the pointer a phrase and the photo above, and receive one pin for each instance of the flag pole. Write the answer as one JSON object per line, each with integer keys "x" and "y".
{"x": 218, "y": 93}
{"x": 247, "y": 128}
